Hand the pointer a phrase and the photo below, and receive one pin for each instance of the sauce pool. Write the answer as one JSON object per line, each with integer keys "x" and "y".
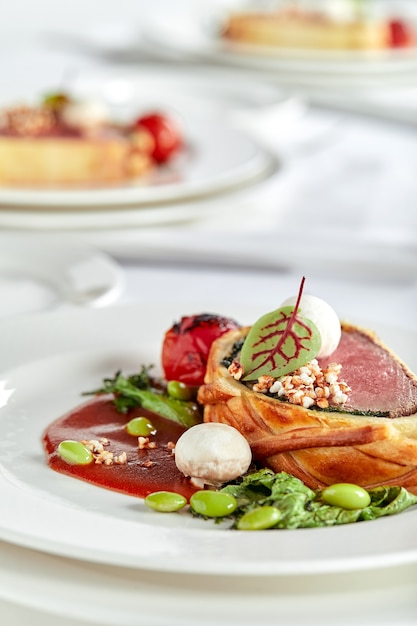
{"x": 147, "y": 470}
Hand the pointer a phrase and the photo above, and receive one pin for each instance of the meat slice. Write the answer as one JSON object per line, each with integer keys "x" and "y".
{"x": 379, "y": 381}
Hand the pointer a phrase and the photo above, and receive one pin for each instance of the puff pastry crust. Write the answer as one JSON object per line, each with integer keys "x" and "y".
{"x": 323, "y": 447}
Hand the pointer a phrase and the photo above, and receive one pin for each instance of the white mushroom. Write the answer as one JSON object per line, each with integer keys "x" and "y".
{"x": 324, "y": 317}
{"x": 212, "y": 454}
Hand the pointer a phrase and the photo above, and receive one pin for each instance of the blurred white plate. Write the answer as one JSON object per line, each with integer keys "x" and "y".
{"x": 37, "y": 275}
{"x": 195, "y": 34}
{"x": 46, "y": 364}
{"x": 218, "y": 156}
{"x": 107, "y": 219}
{"x": 216, "y": 159}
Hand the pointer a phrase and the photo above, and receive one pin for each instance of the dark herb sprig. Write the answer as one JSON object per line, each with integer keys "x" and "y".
{"x": 141, "y": 389}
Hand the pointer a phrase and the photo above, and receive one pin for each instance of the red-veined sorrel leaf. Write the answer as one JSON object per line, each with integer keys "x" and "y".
{"x": 278, "y": 343}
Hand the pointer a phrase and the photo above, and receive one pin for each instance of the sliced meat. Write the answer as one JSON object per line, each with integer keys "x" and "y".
{"x": 380, "y": 383}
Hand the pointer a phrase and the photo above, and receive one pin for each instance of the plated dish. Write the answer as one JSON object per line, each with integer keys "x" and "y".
{"x": 64, "y": 142}
{"x": 204, "y": 171}
{"x": 74, "y": 360}
{"x": 198, "y": 35}
{"x": 199, "y": 169}
{"x": 338, "y": 26}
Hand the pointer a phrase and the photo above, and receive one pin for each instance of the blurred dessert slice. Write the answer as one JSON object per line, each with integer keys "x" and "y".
{"x": 294, "y": 27}
{"x": 61, "y": 142}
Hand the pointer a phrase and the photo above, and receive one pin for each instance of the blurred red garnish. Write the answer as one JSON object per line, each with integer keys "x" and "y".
{"x": 401, "y": 34}
{"x": 165, "y": 132}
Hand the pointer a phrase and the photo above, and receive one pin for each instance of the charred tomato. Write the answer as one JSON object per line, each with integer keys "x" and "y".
{"x": 187, "y": 343}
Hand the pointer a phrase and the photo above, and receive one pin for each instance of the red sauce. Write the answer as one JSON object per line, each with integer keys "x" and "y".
{"x": 146, "y": 471}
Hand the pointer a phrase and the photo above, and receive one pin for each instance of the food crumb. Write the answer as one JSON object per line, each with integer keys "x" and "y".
{"x": 307, "y": 386}
{"x": 102, "y": 456}
{"x": 144, "y": 443}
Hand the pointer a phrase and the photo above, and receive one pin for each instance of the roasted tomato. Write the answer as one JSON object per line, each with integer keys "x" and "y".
{"x": 187, "y": 344}
{"x": 165, "y": 133}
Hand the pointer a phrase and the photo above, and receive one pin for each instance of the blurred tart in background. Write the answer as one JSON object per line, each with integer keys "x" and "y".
{"x": 62, "y": 142}
{"x": 344, "y": 25}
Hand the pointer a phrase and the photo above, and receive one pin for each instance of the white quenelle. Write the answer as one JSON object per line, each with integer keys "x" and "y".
{"x": 85, "y": 114}
{"x": 212, "y": 454}
{"x": 324, "y": 317}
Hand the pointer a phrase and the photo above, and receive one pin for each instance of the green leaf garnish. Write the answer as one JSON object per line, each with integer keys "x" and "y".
{"x": 139, "y": 390}
{"x": 56, "y": 100}
{"x": 279, "y": 342}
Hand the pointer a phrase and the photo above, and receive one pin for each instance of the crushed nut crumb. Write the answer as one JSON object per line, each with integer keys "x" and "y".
{"x": 102, "y": 456}
{"x": 144, "y": 443}
{"x": 264, "y": 383}
{"x": 121, "y": 459}
{"x": 307, "y": 386}
{"x": 148, "y": 463}
{"x": 236, "y": 370}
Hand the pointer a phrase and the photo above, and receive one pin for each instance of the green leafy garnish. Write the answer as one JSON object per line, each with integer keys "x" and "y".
{"x": 56, "y": 100}
{"x": 279, "y": 342}
{"x": 302, "y": 507}
{"x": 141, "y": 390}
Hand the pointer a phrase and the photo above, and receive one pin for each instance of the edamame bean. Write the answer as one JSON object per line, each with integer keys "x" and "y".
{"x": 165, "y": 501}
{"x": 75, "y": 453}
{"x": 347, "y": 496}
{"x": 259, "y": 519}
{"x": 178, "y": 390}
{"x": 140, "y": 427}
{"x": 213, "y": 503}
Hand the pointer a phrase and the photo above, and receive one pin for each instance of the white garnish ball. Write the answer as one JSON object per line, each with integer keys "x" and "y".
{"x": 324, "y": 317}
{"x": 85, "y": 114}
{"x": 212, "y": 453}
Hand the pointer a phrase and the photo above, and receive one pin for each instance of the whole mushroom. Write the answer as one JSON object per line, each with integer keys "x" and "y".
{"x": 212, "y": 454}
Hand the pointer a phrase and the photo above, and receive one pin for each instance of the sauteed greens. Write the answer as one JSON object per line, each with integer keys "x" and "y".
{"x": 301, "y": 507}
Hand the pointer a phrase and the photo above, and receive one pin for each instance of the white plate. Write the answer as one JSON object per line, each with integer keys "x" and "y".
{"x": 37, "y": 274}
{"x": 46, "y": 591}
{"x": 109, "y": 219}
{"x": 195, "y": 34}
{"x": 60, "y": 515}
{"x": 218, "y": 158}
